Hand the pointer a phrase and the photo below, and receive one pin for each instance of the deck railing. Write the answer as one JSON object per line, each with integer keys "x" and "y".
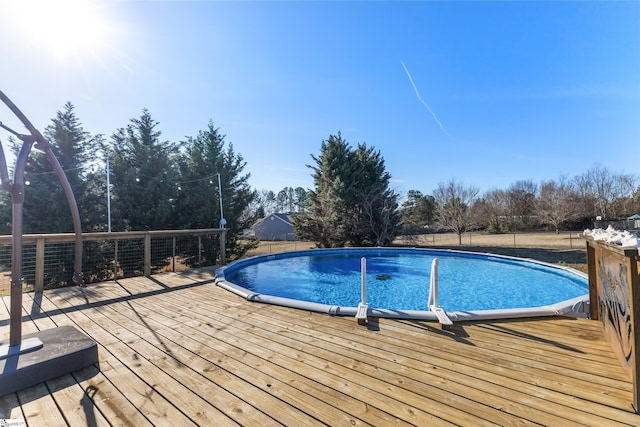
{"x": 48, "y": 258}
{"x": 614, "y": 294}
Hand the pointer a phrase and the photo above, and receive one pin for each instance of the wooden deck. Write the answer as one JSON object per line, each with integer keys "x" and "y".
{"x": 176, "y": 350}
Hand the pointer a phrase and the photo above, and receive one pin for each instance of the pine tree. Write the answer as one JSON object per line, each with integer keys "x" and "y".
{"x": 143, "y": 177}
{"x": 352, "y": 202}
{"x": 46, "y": 209}
{"x": 198, "y": 201}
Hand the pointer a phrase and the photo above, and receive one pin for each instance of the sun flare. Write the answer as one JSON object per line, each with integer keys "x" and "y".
{"x": 63, "y": 28}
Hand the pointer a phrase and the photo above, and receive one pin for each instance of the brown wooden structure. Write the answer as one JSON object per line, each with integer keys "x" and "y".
{"x": 614, "y": 294}
{"x": 176, "y": 350}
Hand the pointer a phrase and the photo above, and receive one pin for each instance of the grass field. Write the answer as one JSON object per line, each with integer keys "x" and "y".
{"x": 567, "y": 249}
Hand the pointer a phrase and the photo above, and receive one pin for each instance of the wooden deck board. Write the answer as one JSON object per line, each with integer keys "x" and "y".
{"x": 249, "y": 372}
{"x": 175, "y": 349}
{"x": 487, "y": 389}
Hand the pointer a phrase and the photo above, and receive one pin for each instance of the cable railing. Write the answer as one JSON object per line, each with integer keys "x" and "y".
{"x": 48, "y": 259}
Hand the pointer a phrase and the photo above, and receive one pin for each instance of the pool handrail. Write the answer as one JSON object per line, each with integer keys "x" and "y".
{"x": 432, "y": 301}
{"x": 363, "y": 307}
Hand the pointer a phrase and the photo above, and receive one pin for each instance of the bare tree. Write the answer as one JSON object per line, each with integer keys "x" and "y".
{"x": 493, "y": 209}
{"x": 453, "y": 201}
{"x": 606, "y": 190}
{"x": 380, "y": 213}
{"x": 521, "y": 197}
{"x": 556, "y": 203}
{"x": 623, "y": 206}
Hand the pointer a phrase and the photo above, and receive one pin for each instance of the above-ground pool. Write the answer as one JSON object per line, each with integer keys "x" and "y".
{"x": 471, "y": 285}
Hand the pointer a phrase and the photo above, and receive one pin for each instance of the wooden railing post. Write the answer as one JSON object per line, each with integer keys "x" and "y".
{"x": 39, "y": 285}
{"x": 116, "y": 264}
{"x": 633, "y": 262}
{"x": 147, "y": 254}
{"x": 173, "y": 254}
{"x": 614, "y": 293}
{"x": 594, "y": 308}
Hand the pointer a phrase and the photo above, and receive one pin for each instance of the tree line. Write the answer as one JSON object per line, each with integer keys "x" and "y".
{"x": 352, "y": 202}
{"x": 158, "y": 184}
{"x": 287, "y": 200}
{"x": 525, "y": 205}
{"x": 155, "y": 184}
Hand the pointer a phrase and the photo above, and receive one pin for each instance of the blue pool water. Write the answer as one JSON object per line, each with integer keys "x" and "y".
{"x": 398, "y": 279}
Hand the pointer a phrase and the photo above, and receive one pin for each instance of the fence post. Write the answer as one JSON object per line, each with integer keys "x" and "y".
{"x": 147, "y": 254}
{"x": 173, "y": 255}
{"x": 614, "y": 280}
{"x": 223, "y": 256}
{"x": 39, "y": 285}
{"x": 199, "y": 250}
{"x": 115, "y": 260}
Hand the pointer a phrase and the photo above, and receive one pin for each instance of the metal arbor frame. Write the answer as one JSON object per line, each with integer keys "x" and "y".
{"x": 49, "y": 356}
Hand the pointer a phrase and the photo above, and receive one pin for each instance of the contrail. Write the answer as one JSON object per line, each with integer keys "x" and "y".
{"x": 422, "y": 100}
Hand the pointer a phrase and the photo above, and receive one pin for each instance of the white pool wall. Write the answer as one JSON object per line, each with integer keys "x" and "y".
{"x": 574, "y": 307}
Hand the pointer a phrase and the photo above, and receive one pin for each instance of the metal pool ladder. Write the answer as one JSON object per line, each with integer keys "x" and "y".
{"x": 432, "y": 302}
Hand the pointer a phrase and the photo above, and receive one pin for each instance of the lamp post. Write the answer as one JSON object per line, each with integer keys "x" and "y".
{"x": 108, "y": 198}
{"x": 223, "y": 221}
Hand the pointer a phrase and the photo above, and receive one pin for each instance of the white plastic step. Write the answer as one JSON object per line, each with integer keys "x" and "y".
{"x": 361, "y": 315}
{"x": 441, "y": 315}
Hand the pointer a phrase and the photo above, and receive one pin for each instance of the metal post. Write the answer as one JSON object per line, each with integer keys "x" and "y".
{"x": 363, "y": 274}
{"x": 223, "y": 221}
{"x": 78, "y": 351}
{"x": 17, "y": 199}
{"x": 108, "y": 199}
{"x": 363, "y": 307}
{"x": 433, "y": 285}
{"x": 223, "y": 256}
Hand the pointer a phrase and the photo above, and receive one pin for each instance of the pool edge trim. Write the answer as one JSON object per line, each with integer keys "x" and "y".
{"x": 577, "y": 307}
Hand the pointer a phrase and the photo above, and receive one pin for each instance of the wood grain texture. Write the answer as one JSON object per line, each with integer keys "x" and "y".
{"x": 175, "y": 349}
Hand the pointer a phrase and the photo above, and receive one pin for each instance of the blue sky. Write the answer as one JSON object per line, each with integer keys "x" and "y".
{"x": 488, "y": 93}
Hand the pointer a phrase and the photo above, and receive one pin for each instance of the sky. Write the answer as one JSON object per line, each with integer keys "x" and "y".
{"x": 486, "y": 93}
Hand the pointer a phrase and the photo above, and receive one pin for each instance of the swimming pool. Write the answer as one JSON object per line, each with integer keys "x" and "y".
{"x": 471, "y": 285}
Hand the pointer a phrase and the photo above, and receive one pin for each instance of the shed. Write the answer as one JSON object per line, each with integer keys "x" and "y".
{"x": 276, "y": 226}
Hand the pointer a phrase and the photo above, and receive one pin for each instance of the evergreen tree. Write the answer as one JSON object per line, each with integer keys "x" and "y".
{"x": 46, "y": 209}
{"x": 418, "y": 211}
{"x": 144, "y": 189}
{"x": 198, "y": 202}
{"x": 352, "y": 202}
{"x": 143, "y": 177}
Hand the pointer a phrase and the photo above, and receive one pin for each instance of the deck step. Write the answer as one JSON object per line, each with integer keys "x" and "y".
{"x": 361, "y": 315}
{"x": 441, "y": 315}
